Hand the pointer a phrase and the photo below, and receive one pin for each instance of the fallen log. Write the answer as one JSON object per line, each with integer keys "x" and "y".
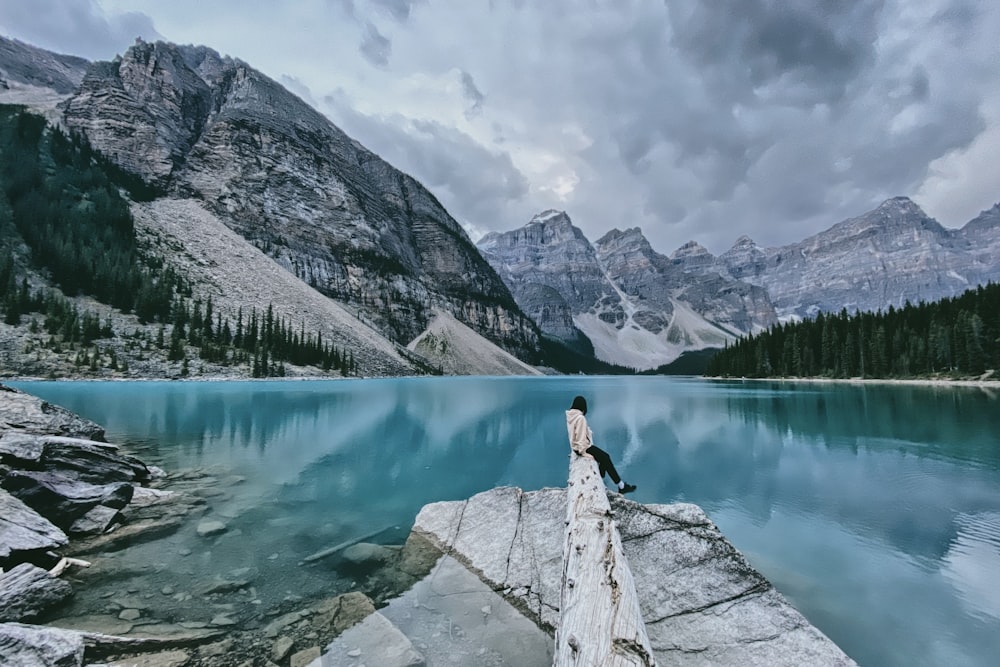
{"x": 600, "y": 621}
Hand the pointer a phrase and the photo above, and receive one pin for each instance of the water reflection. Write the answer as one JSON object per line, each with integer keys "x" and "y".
{"x": 875, "y": 508}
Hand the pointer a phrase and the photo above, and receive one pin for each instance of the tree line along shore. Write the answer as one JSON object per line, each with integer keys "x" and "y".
{"x": 952, "y": 339}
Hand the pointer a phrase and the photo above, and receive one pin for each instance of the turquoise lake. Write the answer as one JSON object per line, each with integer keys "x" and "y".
{"x": 874, "y": 508}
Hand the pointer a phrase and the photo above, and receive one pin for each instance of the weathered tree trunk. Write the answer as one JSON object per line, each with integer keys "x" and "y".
{"x": 600, "y": 622}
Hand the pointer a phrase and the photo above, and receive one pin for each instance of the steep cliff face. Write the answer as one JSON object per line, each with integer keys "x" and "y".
{"x": 553, "y": 272}
{"x": 273, "y": 169}
{"x": 982, "y": 240}
{"x": 885, "y": 257}
{"x": 636, "y": 307}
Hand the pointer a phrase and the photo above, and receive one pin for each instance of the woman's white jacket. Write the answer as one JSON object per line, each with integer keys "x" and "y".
{"x": 581, "y": 438}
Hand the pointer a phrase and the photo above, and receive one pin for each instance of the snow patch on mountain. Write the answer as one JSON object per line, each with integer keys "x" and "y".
{"x": 635, "y": 346}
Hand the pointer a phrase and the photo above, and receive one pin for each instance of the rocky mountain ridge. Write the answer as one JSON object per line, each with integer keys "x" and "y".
{"x": 886, "y": 257}
{"x": 636, "y": 308}
{"x": 642, "y": 309}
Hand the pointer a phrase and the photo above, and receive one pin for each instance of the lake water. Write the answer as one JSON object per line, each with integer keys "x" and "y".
{"x": 875, "y": 509}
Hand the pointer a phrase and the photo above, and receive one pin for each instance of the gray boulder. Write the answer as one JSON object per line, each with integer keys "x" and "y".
{"x": 22, "y": 529}
{"x": 94, "y": 462}
{"x": 87, "y": 460}
{"x": 96, "y": 521}
{"x": 62, "y": 499}
{"x": 28, "y": 590}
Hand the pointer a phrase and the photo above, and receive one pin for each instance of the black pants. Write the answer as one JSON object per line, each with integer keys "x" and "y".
{"x": 604, "y": 463}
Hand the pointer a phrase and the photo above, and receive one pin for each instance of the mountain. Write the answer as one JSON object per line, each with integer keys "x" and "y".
{"x": 888, "y": 256}
{"x": 258, "y": 201}
{"x": 242, "y": 179}
{"x": 982, "y": 236}
{"x": 195, "y": 125}
{"x": 635, "y": 307}
{"x": 223, "y": 152}
{"x": 552, "y": 271}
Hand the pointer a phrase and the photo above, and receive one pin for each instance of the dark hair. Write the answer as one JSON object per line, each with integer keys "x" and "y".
{"x": 579, "y": 403}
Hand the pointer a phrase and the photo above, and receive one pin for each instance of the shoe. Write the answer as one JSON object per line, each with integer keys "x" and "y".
{"x": 628, "y": 488}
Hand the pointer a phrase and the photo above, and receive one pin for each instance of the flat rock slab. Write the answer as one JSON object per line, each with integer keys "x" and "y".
{"x": 104, "y": 624}
{"x": 512, "y": 539}
{"x": 449, "y": 618}
{"x": 702, "y": 602}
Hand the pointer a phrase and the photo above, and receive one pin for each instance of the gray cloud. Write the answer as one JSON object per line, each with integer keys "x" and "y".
{"x": 77, "y": 27}
{"x": 471, "y": 181}
{"x": 375, "y": 47}
{"x": 823, "y": 45}
{"x": 398, "y": 9}
{"x": 473, "y": 95}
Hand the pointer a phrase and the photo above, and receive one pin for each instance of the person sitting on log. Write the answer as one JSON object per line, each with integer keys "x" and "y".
{"x": 581, "y": 439}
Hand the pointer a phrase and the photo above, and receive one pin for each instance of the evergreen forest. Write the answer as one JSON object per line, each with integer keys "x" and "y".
{"x": 954, "y": 338}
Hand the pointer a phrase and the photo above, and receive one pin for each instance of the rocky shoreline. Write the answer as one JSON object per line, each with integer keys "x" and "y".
{"x": 69, "y": 502}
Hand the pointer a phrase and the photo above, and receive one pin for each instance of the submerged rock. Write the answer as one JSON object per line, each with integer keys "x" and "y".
{"x": 304, "y": 657}
{"x": 209, "y": 528}
{"x": 336, "y": 614}
{"x": 365, "y": 554}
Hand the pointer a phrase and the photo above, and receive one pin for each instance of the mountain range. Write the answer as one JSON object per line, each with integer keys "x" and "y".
{"x": 641, "y": 309}
{"x": 258, "y": 199}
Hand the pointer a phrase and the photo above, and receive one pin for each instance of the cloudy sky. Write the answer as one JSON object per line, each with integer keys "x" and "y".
{"x": 693, "y": 120}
